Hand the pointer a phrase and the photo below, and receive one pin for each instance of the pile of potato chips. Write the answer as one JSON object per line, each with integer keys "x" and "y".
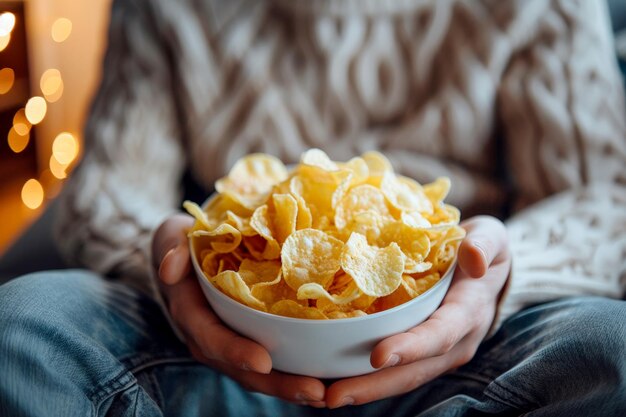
{"x": 327, "y": 240}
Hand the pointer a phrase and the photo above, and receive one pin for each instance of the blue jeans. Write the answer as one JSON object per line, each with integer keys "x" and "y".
{"x": 72, "y": 344}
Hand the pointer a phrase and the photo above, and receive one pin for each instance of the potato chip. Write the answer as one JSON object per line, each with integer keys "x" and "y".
{"x": 437, "y": 190}
{"x": 444, "y": 215}
{"x": 404, "y": 193}
{"x": 377, "y": 272}
{"x": 252, "y": 178}
{"x": 240, "y": 223}
{"x": 260, "y": 222}
{"x": 210, "y": 263}
{"x": 359, "y": 169}
{"x": 201, "y": 217}
{"x": 399, "y": 296}
{"x": 285, "y": 216}
{"x": 415, "y": 219}
{"x": 304, "y": 220}
{"x": 423, "y": 284}
{"x": 227, "y": 263}
{"x": 224, "y": 238}
{"x": 273, "y": 293}
{"x": 377, "y": 163}
{"x": 310, "y": 255}
{"x": 318, "y": 158}
{"x": 360, "y": 199}
{"x": 367, "y": 223}
{"x": 254, "y": 272}
{"x": 314, "y": 291}
{"x": 414, "y": 243}
{"x": 317, "y": 187}
{"x": 231, "y": 283}
{"x": 326, "y": 240}
{"x": 289, "y": 308}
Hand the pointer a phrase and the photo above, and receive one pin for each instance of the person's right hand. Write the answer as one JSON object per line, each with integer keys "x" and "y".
{"x": 209, "y": 340}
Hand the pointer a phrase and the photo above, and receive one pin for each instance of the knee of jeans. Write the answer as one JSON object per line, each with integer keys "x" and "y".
{"x": 593, "y": 331}
{"x": 42, "y": 295}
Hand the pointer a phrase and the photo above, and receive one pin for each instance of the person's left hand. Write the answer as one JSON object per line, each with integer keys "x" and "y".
{"x": 450, "y": 337}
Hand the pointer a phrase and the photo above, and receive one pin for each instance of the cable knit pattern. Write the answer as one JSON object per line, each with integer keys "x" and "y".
{"x": 510, "y": 99}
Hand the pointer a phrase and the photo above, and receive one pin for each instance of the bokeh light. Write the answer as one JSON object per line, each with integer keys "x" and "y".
{"x": 51, "y": 84}
{"x": 36, "y": 109}
{"x": 61, "y": 29}
{"x": 7, "y": 23}
{"x": 57, "y": 168}
{"x": 7, "y": 77}
{"x": 18, "y": 142}
{"x": 65, "y": 148}
{"x": 4, "y": 41}
{"x": 20, "y": 122}
{"x": 32, "y": 194}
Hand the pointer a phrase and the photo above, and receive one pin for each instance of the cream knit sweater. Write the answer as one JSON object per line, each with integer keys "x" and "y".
{"x": 514, "y": 100}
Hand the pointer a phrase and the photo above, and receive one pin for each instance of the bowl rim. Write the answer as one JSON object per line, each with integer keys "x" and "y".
{"x": 197, "y": 270}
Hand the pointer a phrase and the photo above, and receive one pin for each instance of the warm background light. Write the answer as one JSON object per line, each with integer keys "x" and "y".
{"x": 51, "y": 84}
{"x": 7, "y": 77}
{"x": 7, "y": 23}
{"x": 54, "y": 48}
{"x": 20, "y": 122}
{"x": 17, "y": 142}
{"x": 4, "y": 41}
{"x": 57, "y": 168}
{"x": 61, "y": 29}
{"x": 32, "y": 194}
{"x": 65, "y": 148}
{"x": 36, "y": 109}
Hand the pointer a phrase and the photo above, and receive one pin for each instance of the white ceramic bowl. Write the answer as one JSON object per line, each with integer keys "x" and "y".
{"x": 336, "y": 348}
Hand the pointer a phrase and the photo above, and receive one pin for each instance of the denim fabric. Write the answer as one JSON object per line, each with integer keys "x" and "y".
{"x": 72, "y": 344}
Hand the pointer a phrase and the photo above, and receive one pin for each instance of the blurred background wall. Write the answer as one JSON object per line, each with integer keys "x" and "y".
{"x": 50, "y": 55}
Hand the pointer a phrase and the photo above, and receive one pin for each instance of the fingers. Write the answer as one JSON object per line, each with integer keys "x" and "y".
{"x": 216, "y": 342}
{"x": 176, "y": 264}
{"x": 170, "y": 248}
{"x": 435, "y": 337}
{"x": 394, "y": 381}
{"x": 486, "y": 238}
{"x": 294, "y": 388}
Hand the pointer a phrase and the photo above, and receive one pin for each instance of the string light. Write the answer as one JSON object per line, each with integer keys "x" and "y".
{"x": 7, "y": 77}
{"x": 51, "y": 84}
{"x": 20, "y": 122}
{"x": 36, "y": 109}
{"x": 57, "y": 168}
{"x": 61, "y": 29}
{"x": 65, "y": 148}
{"x": 17, "y": 142}
{"x": 7, "y": 23}
{"x": 32, "y": 194}
{"x": 4, "y": 41}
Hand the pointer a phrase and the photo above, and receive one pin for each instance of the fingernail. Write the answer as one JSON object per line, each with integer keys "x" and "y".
{"x": 168, "y": 253}
{"x": 244, "y": 366}
{"x": 478, "y": 245}
{"x": 305, "y": 396}
{"x": 392, "y": 360}
{"x": 346, "y": 401}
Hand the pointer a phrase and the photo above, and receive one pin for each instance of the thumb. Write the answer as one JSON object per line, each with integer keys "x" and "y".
{"x": 170, "y": 248}
{"x": 486, "y": 238}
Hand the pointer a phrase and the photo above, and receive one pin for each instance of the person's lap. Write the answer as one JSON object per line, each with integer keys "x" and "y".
{"x": 74, "y": 344}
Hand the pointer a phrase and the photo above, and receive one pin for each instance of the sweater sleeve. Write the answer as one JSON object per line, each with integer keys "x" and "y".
{"x": 564, "y": 120}
{"x": 128, "y": 180}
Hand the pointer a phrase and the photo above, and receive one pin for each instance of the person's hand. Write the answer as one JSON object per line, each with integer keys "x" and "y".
{"x": 208, "y": 339}
{"x": 450, "y": 337}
